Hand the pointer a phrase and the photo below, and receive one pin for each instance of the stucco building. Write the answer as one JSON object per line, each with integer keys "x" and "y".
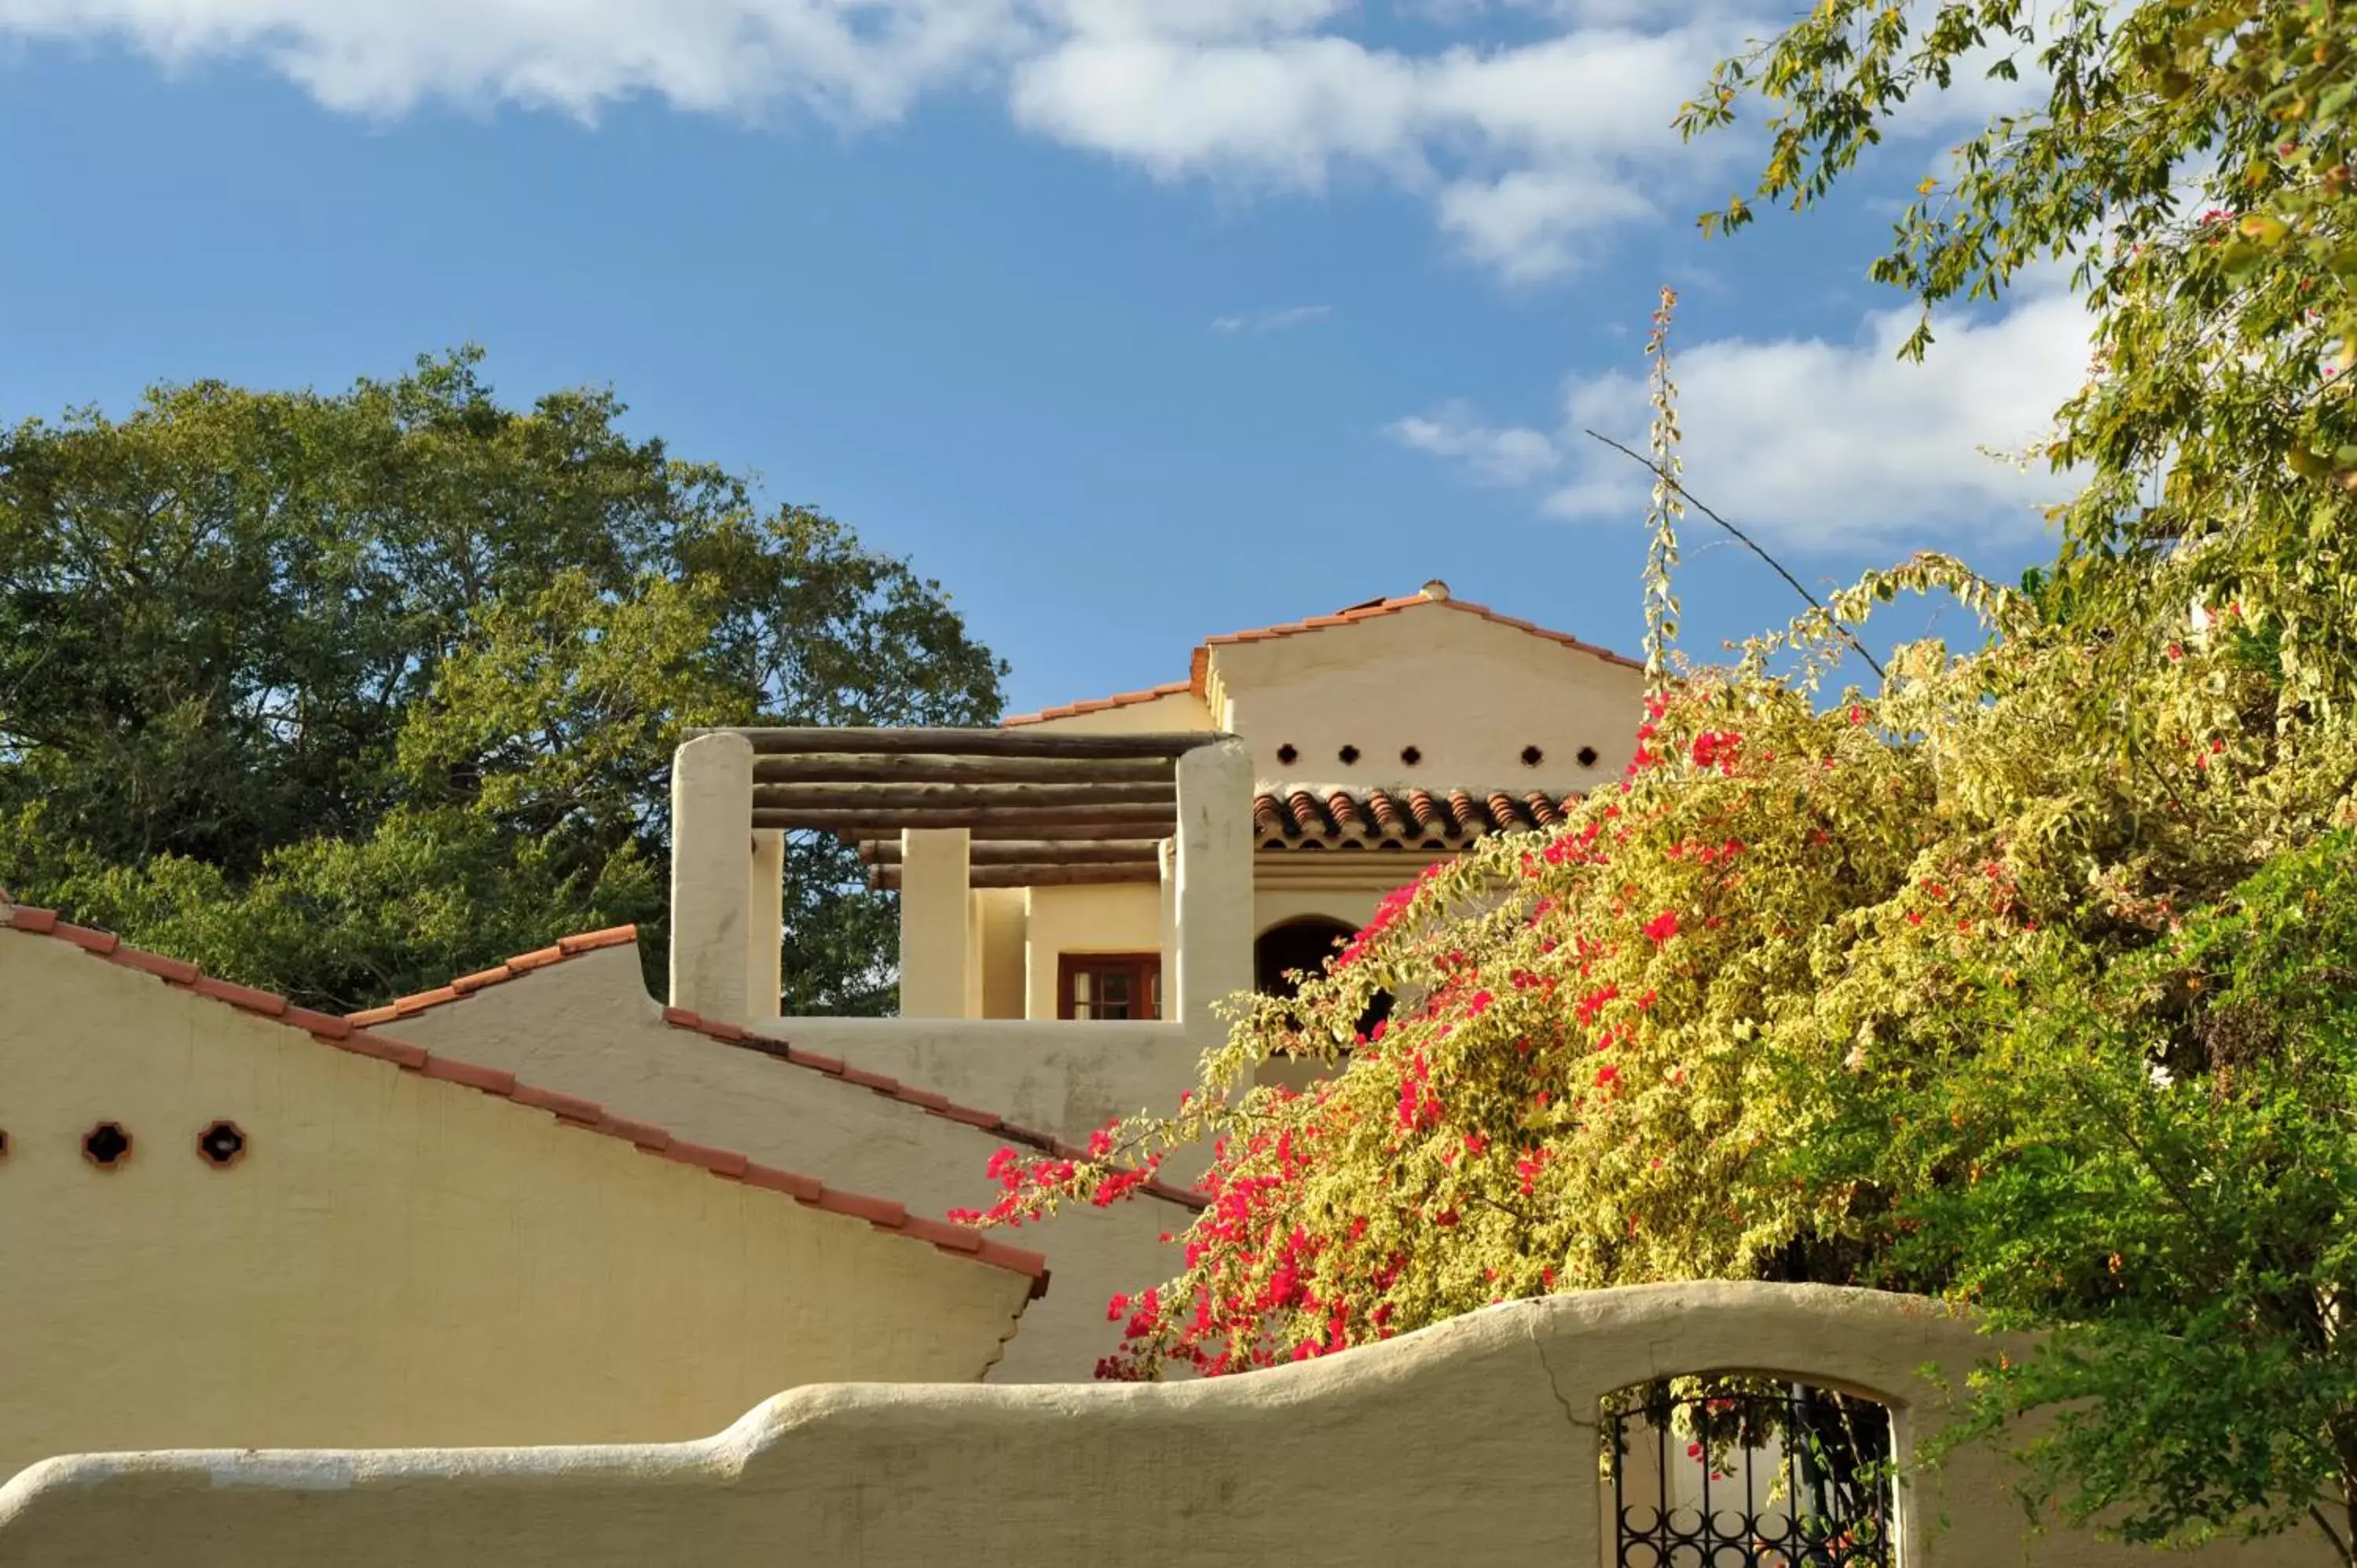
{"x": 1378, "y": 737}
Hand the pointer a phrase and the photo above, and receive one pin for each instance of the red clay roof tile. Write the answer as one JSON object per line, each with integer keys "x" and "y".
{"x": 467, "y": 985}
{"x": 724, "y": 1163}
{"x": 1287, "y": 818}
{"x": 1199, "y": 666}
{"x": 1098, "y": 704}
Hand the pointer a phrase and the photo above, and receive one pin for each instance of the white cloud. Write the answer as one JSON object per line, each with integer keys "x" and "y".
{"x": 856, "y": 61}
{"x": 1513, "y": 454}
{"x": 1266, "y": 321}
{"x": 1531, "y": 155}
{"x": 1812, "y": 444}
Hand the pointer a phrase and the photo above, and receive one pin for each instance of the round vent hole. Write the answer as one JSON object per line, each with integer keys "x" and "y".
{"x": 106, "y": 1145}
{"x": 222, "y": 1143}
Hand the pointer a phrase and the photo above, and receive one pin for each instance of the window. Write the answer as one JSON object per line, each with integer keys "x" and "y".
{"x": 1109, "y": 985}
{"x": 1306, "y": 944}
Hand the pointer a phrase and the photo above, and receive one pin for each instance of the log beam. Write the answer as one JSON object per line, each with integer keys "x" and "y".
{"x": 1032, "y": 852}
{"x": 806, "y": 741}
{"x": 926, "y": 798}
{"x": 926, "y": 768}
{"x": 985, "y": 821}
{"x": 1060, "y": 832}
{"x": 887, "y": 877}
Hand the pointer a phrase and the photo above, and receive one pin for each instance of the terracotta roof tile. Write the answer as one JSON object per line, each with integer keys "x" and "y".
{"x": 1099, "y": 705}
{"x": 343, "y": 1035}
{"x": 893, "y": 1088}
{"x": 466, "y": 985}
{"x": 1200, "y": 667}
{"x": 1287, "y": 818}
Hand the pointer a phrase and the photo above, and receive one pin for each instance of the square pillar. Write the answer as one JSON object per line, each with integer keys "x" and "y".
{"x": 1213, "y": 902}
{"x": 765, "y": 923}
{"x": 1166, "y": 858}
{"x": 711, "y": 869}
{"x": 934, "y": 913}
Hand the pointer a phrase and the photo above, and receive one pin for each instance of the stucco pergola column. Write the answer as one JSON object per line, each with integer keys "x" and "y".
{"x": 1213, "y": 901}
{"x": 935, "y": 906}
{"x": 765, "y": 912}
{"x": 1166, "y": 859}
{"x": 711, "y": 873}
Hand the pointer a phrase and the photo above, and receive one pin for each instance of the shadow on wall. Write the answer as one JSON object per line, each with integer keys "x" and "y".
{"x": 1473, "y": 1444}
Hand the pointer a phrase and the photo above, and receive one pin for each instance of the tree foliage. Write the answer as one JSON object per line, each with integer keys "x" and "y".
{"x": 344, "y": 694}
{"x": 2023, "y": 976}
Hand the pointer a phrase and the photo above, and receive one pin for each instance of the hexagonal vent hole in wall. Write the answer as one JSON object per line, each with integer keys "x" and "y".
{"x": 1411, "y": 755}
{"x": 1288, "y": 753}
{"x": 1532, "y": 757}
{"x": 1588, "y": 757}
{"x": 1348, "y": 755}
{"x": 4, "y": 1144}
{"x": 222, "y": 1143}
{"x": 106, "y": 1145}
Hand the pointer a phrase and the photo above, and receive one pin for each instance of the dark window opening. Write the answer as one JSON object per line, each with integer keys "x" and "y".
{"x": 1304, "y": 946}
{"x": 1108, "y": 985}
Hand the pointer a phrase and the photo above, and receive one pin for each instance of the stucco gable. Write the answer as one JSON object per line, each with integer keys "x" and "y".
{"x": 589, "y": 1026}
{"x": 1426, "y": 614}
{"x": 608, "y": 992}
{"x": 345, "y": 1035}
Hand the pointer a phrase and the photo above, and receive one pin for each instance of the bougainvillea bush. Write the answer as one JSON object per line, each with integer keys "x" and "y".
{"x": 2022, "y": 973}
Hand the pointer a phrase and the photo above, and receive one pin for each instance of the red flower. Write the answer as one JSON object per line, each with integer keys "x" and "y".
{"x": 1662, "y": 927}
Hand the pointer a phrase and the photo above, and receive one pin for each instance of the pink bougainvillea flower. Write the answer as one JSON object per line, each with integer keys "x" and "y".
{"x": 1662, "y": 927}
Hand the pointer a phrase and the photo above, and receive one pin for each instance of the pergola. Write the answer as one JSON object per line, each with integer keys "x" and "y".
{"x": 1038, "y": 808}
{"x": 937, "y": 812}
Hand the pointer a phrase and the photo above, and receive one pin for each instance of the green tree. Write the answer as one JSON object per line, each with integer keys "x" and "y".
{"x": 343, "y": 694}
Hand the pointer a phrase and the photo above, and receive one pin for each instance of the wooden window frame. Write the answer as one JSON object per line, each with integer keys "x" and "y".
{"x": 1145, "y": 969}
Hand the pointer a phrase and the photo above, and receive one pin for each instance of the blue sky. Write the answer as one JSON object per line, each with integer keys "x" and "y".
{"x": 1129, "y": 321}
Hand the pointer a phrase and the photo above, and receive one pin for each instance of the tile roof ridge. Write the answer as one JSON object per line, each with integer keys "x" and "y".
{"x": 924, "y": 1099}
{"x": 1099, "y": 705}
{"x": 346, "y": 1035}
{"x": 1200, "y": 667}
{"x": 466, "y": 985}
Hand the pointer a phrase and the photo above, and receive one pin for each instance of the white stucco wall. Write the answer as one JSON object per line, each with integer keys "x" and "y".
{"x": 1466, "y": 692}
{"x": 587, "y": 1027}
{"x": 396, "y": 1256}
{"x": 1473, "y": 1444}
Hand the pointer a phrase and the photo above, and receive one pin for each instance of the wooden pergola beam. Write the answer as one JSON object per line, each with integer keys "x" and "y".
{"x": 800, "y": 741}
{"x": 1033, "y": 852}
{"x": 922, "y": 768}
{"x": 1066, "y": 832}
{"x": 887, "y": 877}
{"x": 983, "y": 821}
{"x": 929, "y": 797}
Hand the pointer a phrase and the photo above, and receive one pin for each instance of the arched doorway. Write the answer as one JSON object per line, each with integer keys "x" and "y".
{"x": 1751, "y": 1469}
{"x": 1304, "y": 945}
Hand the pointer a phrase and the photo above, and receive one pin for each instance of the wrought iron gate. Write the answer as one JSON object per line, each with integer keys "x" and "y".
{"x": 1796, "y": 1479}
